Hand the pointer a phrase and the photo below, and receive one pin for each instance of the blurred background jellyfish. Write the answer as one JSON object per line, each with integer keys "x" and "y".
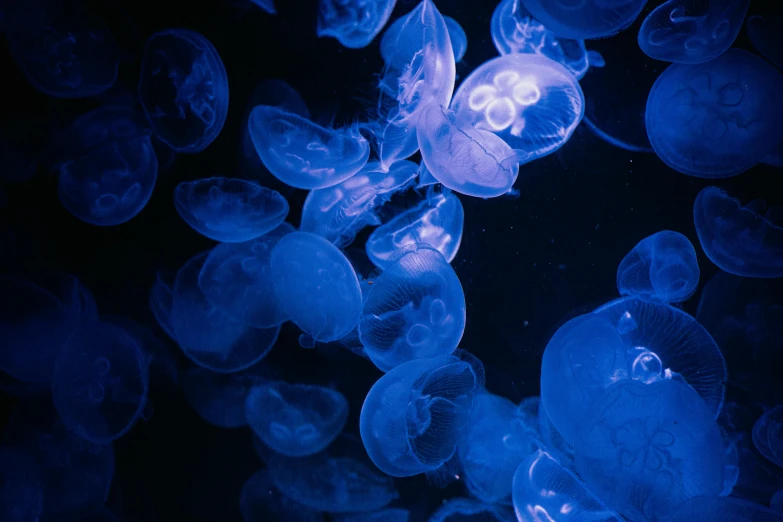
{"x": 458, "y": 508}
{"x": 768, "y": 435}
{"x": 745, "y": 240}
{"x": 229, "y": 210}
{"x": 459, "y": 40}
{"x": 532, "y": 102}
{"x": 660, "y": 268}
{"x": 219, "y": 398}
{"x": 382, "y": 515}
{"x": 260, "y": 501}
{"x": 21, "y": 492}
{"x": 722, "y": 509}
{"x": 585, "y": 19}
{"x": 354, "y": 23}
{"x": 766, "y": 35}
{"x": 683, "y": 31}
{"x": 183, "y": 88}
{"x": 716, "y": 119}
{"x": 269, "y": 7}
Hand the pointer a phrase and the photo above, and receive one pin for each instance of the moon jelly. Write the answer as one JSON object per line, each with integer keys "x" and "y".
{"x": 260, "y": 501}
{"x": 716, "y": 119}
{"x": 766, "y": 36}
{"x": 586, "y": 18}
{"x": 353, "y": 22}
{"x": 183, "y": 89}
{"x": 768, "y": 435}
{"x": 219, "y": 398}
{"x": 742, "y": 240}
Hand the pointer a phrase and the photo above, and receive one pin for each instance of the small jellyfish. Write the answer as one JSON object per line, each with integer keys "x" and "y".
{"x": 532, "y": 102}
{"x": 354, "y": 23}
{"x": 742, "y": 240}
{"x": 183, "y": 88}
{"x": 584, "y": 19}
{"x": 303, "y": 154}
{"x": 229, "y": 210}
{"x": 716, "y": 119}
{"x": 260, "y": 501}
{"x": 316, "y": 286}
{"x": 458, "y": 509}
{"x": 660, "y": 268}
{"x": 296, "y": 420}
{"x": 459, "y": 40}
{"x": 680, "y": 32}
{"x": 768, "y": 435}
{"x": 414, "y": 310}
{"x": 722, "y": 509}
{"x": 766, "y": 35}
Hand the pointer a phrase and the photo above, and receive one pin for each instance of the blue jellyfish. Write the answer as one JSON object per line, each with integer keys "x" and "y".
{"x": 742, "y": 240}
{"x": 316, "y": 286}
{"x": 545, "y": 490}
{"x": 260, "y": 501}
{"x": 677, "y": 31}
{"x": 303, "y": 154}
{"x": 658, "y": 438}
{"x": 459, "y": 40}
{"x": 269, "y": 7}
{"x": 412, "y": 416}
{"x": 553, "y": 441}
{"x": 21, "y": 490}
{"x": 415, "y": 309}
{"x": 766, "y": 36}
{"x": 382, "y": 515}
{"x": 722, "y": 509}
{"x": 436, "y": 222}
{"x": 390, "y": 41}
{"x": 160, "y": 301}
{"x": 716, "y": 119}
{"x": 183, "y": 89}
{"x": 456, "y": 509}
{"x": 337, "y": 213}
{"x": 354, "y": 23}
{"x": 586, "y": 18}
{"x": 495, "y": 440}
{"x": 776, "y": 503}
{"x": 468, "y": 160}
{"x": 768, "y": 435}
{"x": 219, "y": 398}
{"x": 62, "y": 48}
{"x": 296, "y": 420}
{"x": 229, "y": 210}
{"x": 532, "y": 102}
{"x": 660, "y": 268}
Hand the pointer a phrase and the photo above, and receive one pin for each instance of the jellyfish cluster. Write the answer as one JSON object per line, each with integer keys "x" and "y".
{"x": 232, "y": 290}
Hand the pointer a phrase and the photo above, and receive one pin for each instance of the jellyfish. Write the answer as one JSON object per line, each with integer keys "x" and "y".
{"x": 722, "y": 509}
{"x": 229, "y": 210}
{"x": 303, "y": 154}
{"x": 414, "y": 310}
{"x": 296, "y": 420}
{"x": 21, "y": 490}
{"x": 776, "y": 503}
{"x": 183, "y": 88}
{"x": 269, "y": 7}
{"x": 354, "y": 23}
{"x": 381, "y": 515}
{"x": 545, "y": 490}
{"x": 459, "y": 40}
{"x": 716, "y": 119}
{"x": 261, "y": 501}
{"x": 677, "y": 32}
{"x": 219, "y": 398}
{"x": 553, "y": 441}
{"x": 532, "y": 102}
{"x": 742, "y": 240}
{"x": 587, "y": 18}
{"x": 456, "y": 509}
{"x": 766, "y": 36}
{"x": 411, "y": 419}
{"x": 647, "y": 448}
{"x": 660, "y": 268}
{"x": 768, "y": 435}
{"x": 160, "y": 302}
{"x": 63, "y": 49}
{"x": 337, "y": 213}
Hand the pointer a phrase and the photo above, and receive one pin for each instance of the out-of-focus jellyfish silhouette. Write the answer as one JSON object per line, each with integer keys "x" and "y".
{"x": 219, "y": 398}
{"x": 683, "y": 31}
{"x": 661, "y": 268}
{"x": 412, "y": 416}
{"x": 456, "y": 509}
{"x": 776, "y": 503}
{"x": 722, "y": 509}
{"x": 544, "y": 490}
{"x": 337, "y": 213}
{"x": 459, "y": 40}
{"x": 436, "y": 222}
{"x": 768, "y": 435}
{"x": 316, "y": 286}
{"x": 716, "y": 119}
{"x": 160, "y": 302}
{"x": 296, "y": 420}
{"x": 742, "y": 240}
{"x": 658, "y": 438}
{"x": 229, "y": 210}
{"x": 183, "y": 88}
{"x": 766, "y": 35}
{"x": 63, "y": 49}
{"x": 585, "y": 19}
{"x": 303, "y": 154}
{"x": 491, "y": 446}
{"x": 553, "y": 441}
{"x": 260, "y": 502}
{"x": 382, "y": 515}
{"x": 530, "y": 101}
{"x": 269, "y": 7}
{"x": 354, "y": 23}
{"x": 21, "y": 490}
{"x": 415, "y": 309}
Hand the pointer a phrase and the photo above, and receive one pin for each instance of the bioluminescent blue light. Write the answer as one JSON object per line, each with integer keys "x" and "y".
{"x": 303, "y": 154}
{"x": 316, "y": 286}
{"x": 219, "y": 398}
{"x": 415, "y": 309}
{"x": 295, "y": 420}
{"x": 412, "y": 416}
{"x": 768, "y": 435}
{"x": 587, "y": 18}
{"x": 661, "y": 268}
{"x": 660, "y": 438}
{"x": 459, "y": 40}
{"x": 532, "y": 102}
{"x": 390, "y": 41}
{"x": 716, "y": 119}
{"x": 260, "y": 501}
{"x": 354, "y": 23}
{"x": 437, "y": 221}
{"x": 723, "y": 509}
{"x": 229, "y": 210}
{"x": 337, "y": 213}
{"x": 766, "y": 35}
{"x": 746, "y": 240}
{"x": 183, "y": 88}
{"x": 458, "y": 508}
{"x": 681, "y": 31}
{"x": 269, "y": 7}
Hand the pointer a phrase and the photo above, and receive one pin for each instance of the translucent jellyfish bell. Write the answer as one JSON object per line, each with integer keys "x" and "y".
{"x": 219, "y": 398}
{"x": 768, "y": 435}
{"x": 532, "y": 102}
{"x": 459, "y": 40}
{"x": 716, "y": 119}
{"x": 260, "y": 501}
{"x": 585, "y": 18}
{"x": 354, "y": 22}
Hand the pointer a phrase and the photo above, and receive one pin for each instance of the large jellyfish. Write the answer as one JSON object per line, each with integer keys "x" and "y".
{"x": 766, "y": 35}
{"x": 260, "y": 501}
{"x": 586, "y": 18}
{"x": 716, "y": 119}
{"x": 354, "y": 23}
{"x": 768, "y": 435}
